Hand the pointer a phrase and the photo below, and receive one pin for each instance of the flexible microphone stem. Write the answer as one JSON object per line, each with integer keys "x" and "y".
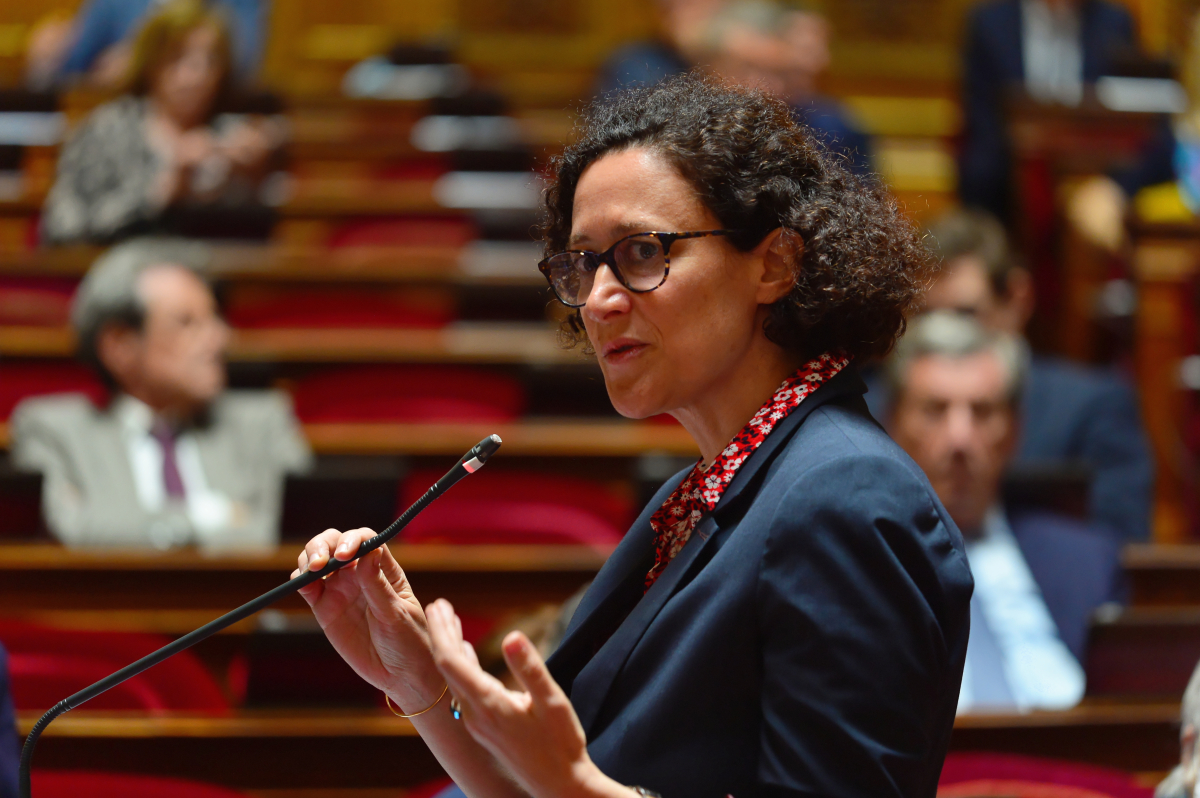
{"x": 471, "y": 462}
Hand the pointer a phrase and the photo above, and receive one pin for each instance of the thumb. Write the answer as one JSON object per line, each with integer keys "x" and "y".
{"x": 527, "y": 666}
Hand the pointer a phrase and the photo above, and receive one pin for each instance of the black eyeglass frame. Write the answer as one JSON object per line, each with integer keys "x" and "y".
{"x": 606, "y": 258}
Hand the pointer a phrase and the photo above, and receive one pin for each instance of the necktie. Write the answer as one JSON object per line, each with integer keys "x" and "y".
{"x": 172, "y": 481}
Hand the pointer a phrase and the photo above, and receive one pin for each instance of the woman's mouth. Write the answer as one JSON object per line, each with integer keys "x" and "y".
{"x": 621, "y": 350}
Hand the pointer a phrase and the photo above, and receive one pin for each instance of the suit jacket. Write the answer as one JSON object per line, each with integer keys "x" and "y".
{"x": 1077, "y": 568}
{"x": 251, "y": 440}
{"x": 993, "y": 63}
{"x": 1078, "y": 414}
{"x": 10, "y": 751}
{"x": 808, "y": 640}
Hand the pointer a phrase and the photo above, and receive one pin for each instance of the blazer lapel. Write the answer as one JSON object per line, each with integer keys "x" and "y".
{"x": 591, "y": 685}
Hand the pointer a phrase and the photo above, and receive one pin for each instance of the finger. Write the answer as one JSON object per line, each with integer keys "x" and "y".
{"x": 469, "y": 682}
{"x": 317, "y": 550}
{"x": 527, "y": 666}
{"x": 312, "y": 593}
{"x": 347, "y": 547}
{"x": 379, "y": 591}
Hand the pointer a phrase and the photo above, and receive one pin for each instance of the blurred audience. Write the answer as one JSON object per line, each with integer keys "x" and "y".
{"x": 161, "y": 144}
{"x": 956, "y": 410}
{"x": 174, "y": 458}
{"x": 1097, "y": 207}
{"x": 1073, "y": 414}
{"x": 782, "y": 49}
{"x": 680, "y": 30}
{"x": 96, "y": 46}
{"x": 10, "y": 745}
{"x": 1182, "y": 781}
{"x": 1050, "y": 49}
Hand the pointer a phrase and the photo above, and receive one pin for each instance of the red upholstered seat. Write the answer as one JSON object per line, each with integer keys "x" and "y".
{"x": 294, "y": 306}
{"x": 21, "y": 380}
{"x": 407, "y": 393}
{"x": 516, "y": 507}
{"x": 50, "y": 664}
{"x": 93, "y": 784}
{"x": 985, "y": 775}
{"x": 36, "y": 301}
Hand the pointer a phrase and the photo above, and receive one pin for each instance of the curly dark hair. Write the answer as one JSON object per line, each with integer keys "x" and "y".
{"x": 863, "y": 265}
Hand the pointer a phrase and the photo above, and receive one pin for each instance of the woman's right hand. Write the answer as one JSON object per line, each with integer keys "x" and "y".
{"x": 369, "y": 613}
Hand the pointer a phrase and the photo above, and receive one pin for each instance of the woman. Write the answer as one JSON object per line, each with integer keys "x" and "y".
{"x": 790, "y": 616}
{"x": 160, "y": 144}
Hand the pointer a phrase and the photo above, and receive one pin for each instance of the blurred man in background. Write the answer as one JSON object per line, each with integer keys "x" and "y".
{"x": 174, "y": 459}
{"x": 1181, "y": 782}
{"x": 1050, "y": 49}
{"x": 1073, "y": 414}
{"x": 1038, "y": 576}
{"x": 783, "y": 49}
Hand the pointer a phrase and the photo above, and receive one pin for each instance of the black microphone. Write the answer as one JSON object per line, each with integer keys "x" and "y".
{"x": 471, "y": 462}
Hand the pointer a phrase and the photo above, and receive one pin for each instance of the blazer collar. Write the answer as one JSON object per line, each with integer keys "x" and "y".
{"x": 597, "y": 669}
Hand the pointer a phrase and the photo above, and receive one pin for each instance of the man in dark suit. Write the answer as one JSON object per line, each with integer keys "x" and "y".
{"x": 1038, "y": 577}
{"x": 1072, "y": 414}
{"x": 9, "y": 745}
{"x": 1048, "y": 48}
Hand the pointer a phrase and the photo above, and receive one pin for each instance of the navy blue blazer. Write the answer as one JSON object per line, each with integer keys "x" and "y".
{"x": 807, "y": 641}
{"x": 9, "y": 745}
{"x": 1077, "y": 567}
{"x": 993, "y": 63}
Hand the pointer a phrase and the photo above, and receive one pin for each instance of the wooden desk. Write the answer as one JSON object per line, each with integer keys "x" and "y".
{"x": 534, "y": 437}
{"x": 302, "y": 265}
{"x": 530, "y": 343}
{"x": 1142, "y": 652}
{"x": 1162, "y": 576}
{"x": 288, "y": 749}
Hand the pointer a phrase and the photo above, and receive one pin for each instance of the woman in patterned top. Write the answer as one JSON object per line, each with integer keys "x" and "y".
{"x": 789, "y": 616}
{"x": 159, "y": 144}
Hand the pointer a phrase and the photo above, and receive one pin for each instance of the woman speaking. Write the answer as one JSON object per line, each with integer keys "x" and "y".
{"x": 787, "y": 618}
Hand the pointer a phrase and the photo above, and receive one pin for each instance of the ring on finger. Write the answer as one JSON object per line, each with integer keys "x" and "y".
{"x": 455, "y": 709}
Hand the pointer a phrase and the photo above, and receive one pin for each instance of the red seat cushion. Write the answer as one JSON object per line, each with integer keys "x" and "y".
{"x": 77, "y": 783}
{"x": 257, "y": 307}
{"x": 21, "y": 380}
{"x": 985, "y": 775}
{"x": 518, "y": 507}
{"x": 407, "y": 393}
{"x": 54, "y": 663}
{"x": 36, "y": 301}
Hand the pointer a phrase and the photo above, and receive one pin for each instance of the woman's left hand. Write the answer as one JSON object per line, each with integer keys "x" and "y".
{"x": 535, "y": 734}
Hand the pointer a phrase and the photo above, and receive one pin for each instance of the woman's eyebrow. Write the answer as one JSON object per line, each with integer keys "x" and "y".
{"x": 621, "y": 230}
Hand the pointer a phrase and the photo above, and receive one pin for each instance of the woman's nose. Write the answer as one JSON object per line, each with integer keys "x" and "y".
{"x": 607, "y": 296}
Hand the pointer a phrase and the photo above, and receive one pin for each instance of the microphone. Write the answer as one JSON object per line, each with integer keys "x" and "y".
{"x": 471, "y": 462}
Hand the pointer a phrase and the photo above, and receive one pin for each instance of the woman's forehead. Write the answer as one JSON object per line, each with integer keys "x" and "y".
{"x": 631, "y": 191}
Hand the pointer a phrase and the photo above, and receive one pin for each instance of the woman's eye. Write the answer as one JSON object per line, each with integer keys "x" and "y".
{"x": 645, "y": 251}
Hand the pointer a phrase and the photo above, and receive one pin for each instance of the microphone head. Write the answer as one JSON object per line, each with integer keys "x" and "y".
{"x": 478, "y": 456}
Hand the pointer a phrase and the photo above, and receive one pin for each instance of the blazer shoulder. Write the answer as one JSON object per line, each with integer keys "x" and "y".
{"x": 62, "y": 412}
{"x": 253, "y": 407}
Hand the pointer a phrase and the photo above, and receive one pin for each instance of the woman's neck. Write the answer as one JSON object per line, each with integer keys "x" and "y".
{"x": 734, "y": 398}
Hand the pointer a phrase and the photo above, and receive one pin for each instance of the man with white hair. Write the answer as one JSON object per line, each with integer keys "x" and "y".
{"x": 1181, "y": 782}
{"x": 955, "y": 396}
{"x": 173, "y": 459}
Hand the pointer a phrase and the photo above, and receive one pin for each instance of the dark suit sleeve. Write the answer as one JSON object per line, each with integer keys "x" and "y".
{"x": 864, "y": 610}
{"x": 1115, "y": 446}
{"x": 9, "y": 745}
{"x": 983, "y": 160}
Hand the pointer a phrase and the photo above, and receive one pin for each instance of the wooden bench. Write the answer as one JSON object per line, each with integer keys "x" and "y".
{"x": 278, "y": 750}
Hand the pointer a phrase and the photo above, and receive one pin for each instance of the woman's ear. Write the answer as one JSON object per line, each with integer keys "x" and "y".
{"x": 781, "y": 252}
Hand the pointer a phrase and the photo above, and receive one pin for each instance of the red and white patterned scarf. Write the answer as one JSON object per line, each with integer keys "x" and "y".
{"x": 701, "y": 490}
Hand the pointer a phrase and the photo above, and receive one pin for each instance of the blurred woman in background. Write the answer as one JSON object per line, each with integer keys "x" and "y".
{"x": 161, "y": 144}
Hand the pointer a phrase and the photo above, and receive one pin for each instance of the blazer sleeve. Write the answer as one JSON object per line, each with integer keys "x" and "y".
{"x": 9, "y": 744}
{"x": 1116, "y": 447}
{"x": 864, "y": 597}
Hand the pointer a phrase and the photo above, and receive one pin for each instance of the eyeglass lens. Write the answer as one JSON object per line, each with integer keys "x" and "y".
{"x": 640, "y": 264}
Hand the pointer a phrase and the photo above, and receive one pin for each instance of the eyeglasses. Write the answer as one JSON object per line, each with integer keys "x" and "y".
{"x": 640, "y": 262}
